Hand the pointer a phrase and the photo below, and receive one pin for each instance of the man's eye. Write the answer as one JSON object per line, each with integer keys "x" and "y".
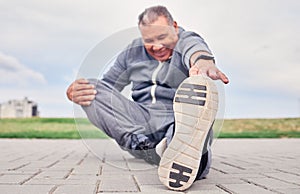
{"x": 148, "y": 40}
{"x": 161, "y": 37}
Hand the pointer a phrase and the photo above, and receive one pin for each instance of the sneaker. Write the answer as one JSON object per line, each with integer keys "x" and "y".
{"x": 195, "y": 107}
{"x": 147, "y": 152}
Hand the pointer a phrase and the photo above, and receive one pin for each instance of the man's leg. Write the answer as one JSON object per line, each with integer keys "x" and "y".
{"x": 206, "y": 158}
{"x": 128, "y": 122}
{"x": 195, "y": 108}
{"x": 120, "y": 118}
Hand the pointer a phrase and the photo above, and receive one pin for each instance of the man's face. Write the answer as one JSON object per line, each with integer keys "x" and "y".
{"x": 160, "y": 38}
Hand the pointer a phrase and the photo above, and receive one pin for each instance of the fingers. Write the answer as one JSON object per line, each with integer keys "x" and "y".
{"x": 83, "y": 86}
{"x": 82, "y": 81}
{"x": 212, "y": 72}
{"x": 81, "y": 92}
{"x": 84, "y": 100}
{"x": 223, "y": 77}
{"x": 193, "y": 72}
{"x": 218, "y": 75}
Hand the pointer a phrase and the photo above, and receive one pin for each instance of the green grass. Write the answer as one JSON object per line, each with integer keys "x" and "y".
{"x": 261, "y": 128}
{"x": 56, "y": 128}
{"x": 67, "y": 128}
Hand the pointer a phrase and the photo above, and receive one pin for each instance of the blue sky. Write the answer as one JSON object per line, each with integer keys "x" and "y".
{"x": 256, "y": 43}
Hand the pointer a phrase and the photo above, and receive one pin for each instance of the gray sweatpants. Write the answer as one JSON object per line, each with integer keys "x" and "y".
{"x": 129, "y": 123}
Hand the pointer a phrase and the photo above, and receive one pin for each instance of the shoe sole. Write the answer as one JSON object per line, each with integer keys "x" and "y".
{"x": 195, "y": 107}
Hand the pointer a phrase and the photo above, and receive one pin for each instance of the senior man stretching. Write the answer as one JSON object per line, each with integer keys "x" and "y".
{"x": 169, "y": 121}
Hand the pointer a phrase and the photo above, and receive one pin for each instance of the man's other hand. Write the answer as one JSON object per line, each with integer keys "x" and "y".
{"x": 81, "y": 92}
{"x": 208, "y": 68}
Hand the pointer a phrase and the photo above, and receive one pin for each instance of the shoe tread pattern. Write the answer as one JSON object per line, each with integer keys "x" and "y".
{"x": 195, "y": 107}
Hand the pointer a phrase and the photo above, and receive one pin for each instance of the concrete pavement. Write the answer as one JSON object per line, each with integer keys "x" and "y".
{"x": 68, "y": 166}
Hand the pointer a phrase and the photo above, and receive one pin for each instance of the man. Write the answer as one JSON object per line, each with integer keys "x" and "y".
{"x": 166, "y": 64}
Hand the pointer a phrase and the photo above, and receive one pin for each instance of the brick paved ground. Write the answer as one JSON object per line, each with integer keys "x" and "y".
{"x": 67, "y": 166}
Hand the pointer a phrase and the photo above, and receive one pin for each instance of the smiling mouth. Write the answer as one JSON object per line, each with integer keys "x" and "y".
{"x": 161, "y": 53}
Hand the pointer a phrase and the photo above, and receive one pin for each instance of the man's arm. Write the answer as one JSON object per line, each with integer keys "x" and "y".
{"x": 192, "y": 45}
{"x": 202, "y": 64}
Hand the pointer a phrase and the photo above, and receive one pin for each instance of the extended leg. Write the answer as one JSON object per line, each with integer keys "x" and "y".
{"x": 195, "y": 107}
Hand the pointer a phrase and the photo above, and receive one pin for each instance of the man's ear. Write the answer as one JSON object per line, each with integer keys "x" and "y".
{"x": 175, "y": 26}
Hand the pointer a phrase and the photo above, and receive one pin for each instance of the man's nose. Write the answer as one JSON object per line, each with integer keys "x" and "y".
{"x": 157, "y": 47}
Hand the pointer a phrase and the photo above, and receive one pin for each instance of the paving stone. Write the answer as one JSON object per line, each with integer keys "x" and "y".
{"x": 261, "y": 169}
{"x": 52, "y": 174}
{"x": 286, "y": 177}
{"x": 13, "y": 179}
{"x": 150, "y": 189}
{"x": 228, "y": 168}
{"x": 61, "y": 182}
{"x": 247, "y": 175}
{"x": 139, "y": 164}
{"x": 117, "y": 165}
{"x": 290, "y": 170}
{"x": 25, "y": 189}
{"x": 118, "y": 183}
{"x": 83, "y": 176}
{"x": 74, "y": 189}
{"x": 200, "y": 187}
{"x": 218, "y": 180}
{"x": 68, "y": 166}
{"x": 20, "y": 172}
{"x": 270, "y": 183}
{"x": 16, "y": 165}
{"x": 147, "y": 179}
{"x": 113, "y": 170}
{"x": 289, "y": 191}
{"x": 88, "y": 171}
{"x": 245, "y": 188}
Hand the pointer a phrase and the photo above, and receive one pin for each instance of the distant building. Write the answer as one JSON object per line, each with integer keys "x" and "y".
{"x": 19, "y": 109}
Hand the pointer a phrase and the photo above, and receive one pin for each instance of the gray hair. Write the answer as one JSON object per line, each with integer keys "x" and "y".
{"x": 151, "y": 14}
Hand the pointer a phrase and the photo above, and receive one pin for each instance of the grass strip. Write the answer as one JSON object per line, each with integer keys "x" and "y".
{"x": 68, "y": 128}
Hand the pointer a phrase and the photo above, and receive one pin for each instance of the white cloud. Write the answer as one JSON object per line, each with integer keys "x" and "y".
{"x": 12, "y": 72}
